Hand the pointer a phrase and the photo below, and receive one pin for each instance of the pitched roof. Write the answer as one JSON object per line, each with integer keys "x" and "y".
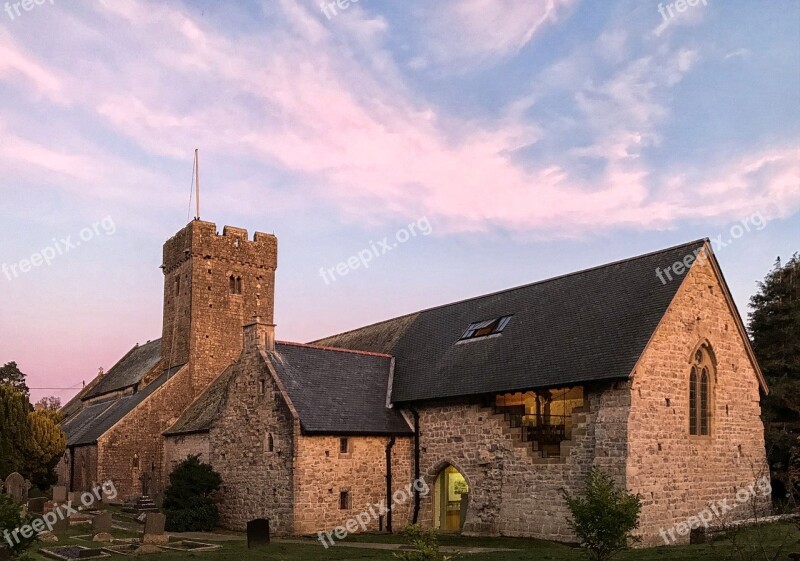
{"x": 336, "y": 391}
{"x": 96, "y": 418}
{"x": 200, "y": 415}
{"x": 586, "y": 326}
{"x": 130, "y": 369}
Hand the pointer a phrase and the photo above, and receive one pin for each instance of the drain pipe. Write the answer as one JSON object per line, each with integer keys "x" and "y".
{"x": 389, "y": 447}
{"x": 417, "y": 476}
{"x": 71, "y": 468}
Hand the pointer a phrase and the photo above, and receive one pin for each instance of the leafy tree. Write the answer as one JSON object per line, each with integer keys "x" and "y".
{"x": 775, "y": 322}
{"x": 45, "y": 446}
{"x": 50, "y": 402}
{"x": 775, "y": 331}
{"x": 11, "y": 518}
{"x": 188, "y": 502}
{"x": 604, "y": 518}
{"x": 31, "y": 442}
{"x": 11, "y": 375}
{"x": 14, "y": 429}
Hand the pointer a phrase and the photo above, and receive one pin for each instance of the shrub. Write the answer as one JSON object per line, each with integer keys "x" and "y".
{"x": 604, "y": 518}
{"x": 11, "y": 518}
{"x": 425, "y": 543}
{"x": 188, "y": 502}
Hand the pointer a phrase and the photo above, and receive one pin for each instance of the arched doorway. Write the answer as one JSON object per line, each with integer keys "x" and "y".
{"x": 450, "y": 500}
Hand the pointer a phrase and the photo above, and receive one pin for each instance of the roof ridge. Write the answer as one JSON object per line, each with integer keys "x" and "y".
{"x": 336, "y": 349}
{"x": 519, "y": 287}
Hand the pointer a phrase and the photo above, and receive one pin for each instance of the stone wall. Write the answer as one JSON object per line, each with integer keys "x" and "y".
{"x": 322, "y": 473}
{"x": 202, "y": 319}
{"x": 135, "y": 445}
{"x": 678, "y": 475}
{"x": 513, "y": 491}
{"x": 257, "y": 482}
{"x": 179, "y": 447}
{"x": 85, "y": 464}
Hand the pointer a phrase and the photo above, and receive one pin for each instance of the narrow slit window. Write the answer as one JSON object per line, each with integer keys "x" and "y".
{"x": 344, "y": 445}
{"x": 344, "y": 500}
{"x": 232, "y": 281}
{"x": 238, "y": 285}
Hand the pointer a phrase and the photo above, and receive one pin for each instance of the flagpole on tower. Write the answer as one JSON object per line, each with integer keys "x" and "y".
{"x": 197, "y": 182}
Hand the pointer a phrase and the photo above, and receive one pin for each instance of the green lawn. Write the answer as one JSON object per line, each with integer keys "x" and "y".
{"x": 770, "y": 536}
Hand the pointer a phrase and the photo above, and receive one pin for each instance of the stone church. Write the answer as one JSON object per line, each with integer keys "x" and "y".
{"x": 496, "y": 403}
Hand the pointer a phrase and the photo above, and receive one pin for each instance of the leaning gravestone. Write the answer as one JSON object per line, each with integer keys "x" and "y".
{"x": 257, "y": 533}
{"x": 154, "y": 523}
{"x": 101, "y": 523}
{"x": 36, "y": 506}
{"x": 61, "y": 525}
{"x": 16, "y": 487}
{"x": 59, "y": 494}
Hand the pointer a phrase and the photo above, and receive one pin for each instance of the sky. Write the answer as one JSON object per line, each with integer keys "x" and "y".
{"x": 467, "y": 145}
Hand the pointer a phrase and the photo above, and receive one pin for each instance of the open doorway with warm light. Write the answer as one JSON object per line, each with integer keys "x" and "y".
{"x": 451, "y": 499}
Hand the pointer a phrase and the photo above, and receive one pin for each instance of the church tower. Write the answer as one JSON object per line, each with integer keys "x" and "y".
{"x": 213, "y": 285}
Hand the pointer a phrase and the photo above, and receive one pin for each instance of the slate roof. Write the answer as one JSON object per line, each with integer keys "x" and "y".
{"x": 98, "y": 417}
{"x": 335, "y": 391}
{"x": 586, "y": 326}
{"x": 130, "y": 369}
{"x": 201, "y": 414}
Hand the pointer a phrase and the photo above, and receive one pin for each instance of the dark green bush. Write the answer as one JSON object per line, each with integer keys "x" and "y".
{"x": 188, "y": 502}
{"x": 10, "y": 519}
{"x": 604, "y": 518}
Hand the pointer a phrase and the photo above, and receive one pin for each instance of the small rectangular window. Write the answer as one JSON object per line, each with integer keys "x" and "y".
{"x": 344, "y": 445}
{"x": 486, "y": 328}
{"x": 344, "y": 500}
{"x": 262, "y": 387}
{"x": 177, "y": 286}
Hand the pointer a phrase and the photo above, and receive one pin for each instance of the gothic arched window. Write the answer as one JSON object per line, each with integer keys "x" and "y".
{"x": 701, "y": 380}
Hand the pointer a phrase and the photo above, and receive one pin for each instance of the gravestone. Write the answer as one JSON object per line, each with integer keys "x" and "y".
{"x": 59, "y": 494}
{"x": 5, "y": 554}
{"x": 17, "y": 488}
{"x": 154, "y": 523}
{"x": 61, "y": 526}
{"x": 36, "y": 506}
{"x": 74, "y": 497}
{"x": 257, "y": 533}
{"x": 101, "y": 523}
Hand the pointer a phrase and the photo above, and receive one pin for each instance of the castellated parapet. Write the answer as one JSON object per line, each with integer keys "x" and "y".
{"x": 213, "y": 285}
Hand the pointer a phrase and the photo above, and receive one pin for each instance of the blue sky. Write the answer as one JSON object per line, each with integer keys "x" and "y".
{"x": 535, "y": 138}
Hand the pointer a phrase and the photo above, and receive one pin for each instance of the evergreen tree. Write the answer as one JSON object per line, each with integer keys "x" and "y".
{"x": 14, "y": 430}
{"x": 11, "y": 375}
{"x": 45, "y": 447}
{"x": 188, "y": 502}
{"x": 775, "y": 331}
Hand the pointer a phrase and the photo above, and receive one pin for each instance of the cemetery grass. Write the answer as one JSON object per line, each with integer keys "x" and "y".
{"x": 774, "y": 536}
